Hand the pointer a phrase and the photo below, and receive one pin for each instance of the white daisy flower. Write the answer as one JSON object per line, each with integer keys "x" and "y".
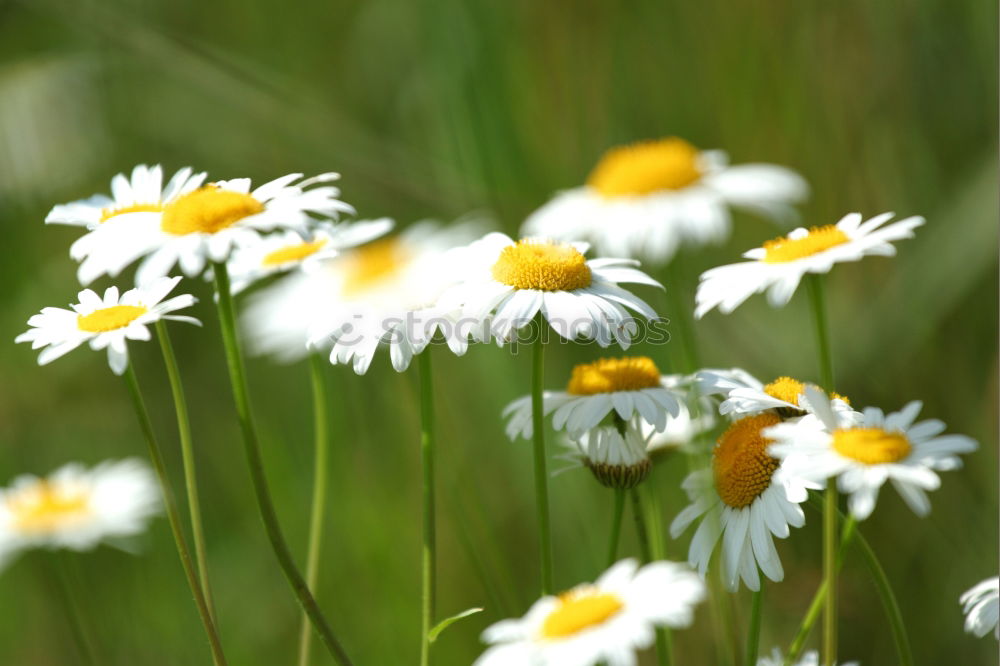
{"x": 745, "y": 394}
{"x": 284, "y": 251}
{"x": 605, "y": 622}
{"x": 626, "y": 387}
{"x": 142, "y": 194}
{"x": 981, "y": 606}
{"x": 780, "y": 264}
{"x": 746, "y": 499}
{"x": 579, "y": 298}
{"x": 863, "y": 456}
{"x": 77, "y": 508}
{"x": 810, "y": 658}
{"x": 105, "y": 323}
{"x": 646, "y": 199}
{"x": 616, "y": 456}
{"x": 204, "y": 225}
{"x": 386, "y": 294}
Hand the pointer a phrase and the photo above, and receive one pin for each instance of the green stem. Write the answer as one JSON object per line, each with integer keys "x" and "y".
{"x": 173, "y": 516}
{"x": 251, "y": 446}
{"x": 616, "y": 525}
{"x": 753, "y": 632}
{"x": 816, "y": 297}
{"x": 889, "y": 603}
{"x": 798, "y": 643}
{"x": 664, "y": 641}
{"x": 64, "y": 588}
{"x": 187, "y": 456}
{"x": 429, "y": 553}
{"x": 541, "y": 475}
{"x": 321, "y": 446}
{"x": 681, "y": 313}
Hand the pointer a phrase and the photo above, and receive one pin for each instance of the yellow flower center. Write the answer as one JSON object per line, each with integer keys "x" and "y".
{"x": 614, "y": 374}
{"x": 208, "y": 210}
{"x": 789, "y": 390}
{"x": 110, "y": 319}
{"x": 871, "y": 446}
{"x": 578, "y": 610}
{"x": 290, "y": 253}
{"x": 108, "y": 213}
{"x": 531, "y": 264}
{"x": 46, "y": 507}
{"x": 818, "y": 240}
{"x": 646, "y": 167}
{"x": 371, "y": 265}
{"x": 740, "y": 462}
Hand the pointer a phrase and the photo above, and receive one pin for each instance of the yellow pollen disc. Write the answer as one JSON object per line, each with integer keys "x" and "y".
{"x": 614, "y": 374}
{"x": 44, "y": 507}
{"x": 108, "y": 213}
{"x": 819, "y": 239}
{"x": 646, "y": 167}
{"x": 578, "y": 610}
{"x": 110, "y": 319}
{"x": 740, "y": 462}
{"x": 296, "y": 252}
{"x": 541, "y": 265}
{"x": 871, "y": 446}
{"x": 789, "y": 390}
{"x": 373, "y": 264}
{"x": 208, "y": 209}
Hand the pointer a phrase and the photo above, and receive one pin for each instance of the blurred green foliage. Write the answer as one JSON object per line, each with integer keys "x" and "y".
{"x": 437, "y": 108}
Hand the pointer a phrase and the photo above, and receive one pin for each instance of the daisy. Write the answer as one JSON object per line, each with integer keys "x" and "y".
{"x": 607, "y": 621}
{"x": 625, "y": 387}
{"x": 808, "y": 659}
{"x": 287, "y": 250}
{"x": 204, "y": 225}
{"x": 745, "y": 394}
{"x": 617, "y": 456}
{"x": 140, "y": 195}
{"x": 864, "y": 455}
{"x": 579, "y": 298}
{"x": 745, "y": 497}
{"x": 386, "y": 294}
{"x": 77, "y": 508}
{"x": 779, "y": 265}
{"x": 646, "y": 199}
{"x": 105, "y": 323}
{"x": 981, "y": 606}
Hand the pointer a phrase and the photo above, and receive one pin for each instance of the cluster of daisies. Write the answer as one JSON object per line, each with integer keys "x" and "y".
{"x": 314, "y": 279}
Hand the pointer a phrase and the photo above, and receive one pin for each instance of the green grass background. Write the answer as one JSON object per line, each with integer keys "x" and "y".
{"x": 435, "y": 109}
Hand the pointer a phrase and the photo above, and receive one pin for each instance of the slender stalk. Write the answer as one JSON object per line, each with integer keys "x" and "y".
{"x": 541, "y": 475}
{"x": 187, "y": 456}
{"x": 251, "y": 445}
{"x": 173, "y": 515}
{"x": 321, "y": 446}
{"x": 830, "y": 510}
{"x": 889, "y": 603}
{"x": 616, "y": 525}
{"x": 664, "y": 641}
{"x": 65, "y": 589}
{"x": 681, "y": 313}
{"x": 429, "y": 553}
{"x": 753, "y": 632}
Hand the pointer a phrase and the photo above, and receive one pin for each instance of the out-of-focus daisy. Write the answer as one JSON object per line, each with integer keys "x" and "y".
{"x": 105, "y": 323}
{"x": 287, "y": 250}
{"x": 808, "y": 659}
{"x": 745, "y": 498}
{"x": 780, "y": 264}
{"x": 627, "y": 387}
{"x": 981, "y": 606}
{"x": 617, "y": 456}
{"x": 77, "y": 508}
{"x": 646, "y": 199}
{"x": 387, "y": 294}
{"x": 604, "y": 622}
{"x": 863, "y": 456}
{"x": 745, "y": 394}
{"x": 204, "y": 225}
{"x": 142, "y": 194}
{"x": 579, "y": 298}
